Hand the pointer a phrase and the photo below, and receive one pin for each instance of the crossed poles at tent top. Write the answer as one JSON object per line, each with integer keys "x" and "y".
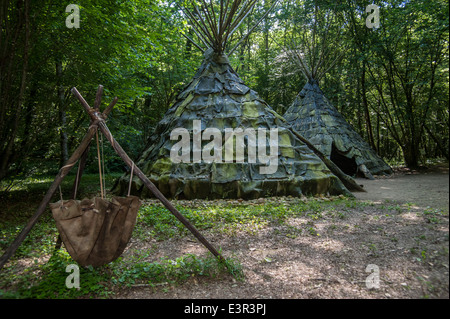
{"x": 98, "y": 122}
{"x": 214, "y": 22}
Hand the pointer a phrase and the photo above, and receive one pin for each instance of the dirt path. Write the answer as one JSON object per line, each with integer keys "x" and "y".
{"x": 429, "y": 188}
{"x": 332, "y": 256}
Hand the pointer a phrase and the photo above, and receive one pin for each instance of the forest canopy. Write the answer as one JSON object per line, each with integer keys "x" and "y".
{"x": 390, "y": 82}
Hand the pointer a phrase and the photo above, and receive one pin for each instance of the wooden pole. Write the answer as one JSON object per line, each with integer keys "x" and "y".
{"x": 81, "y": 166}
{"x": 48, "y": 196}
{"x": 345, "y": 179}
{"x": 76, "y": 185}
{"x": 82, "y": 161}
{"x": 104, "y": 129}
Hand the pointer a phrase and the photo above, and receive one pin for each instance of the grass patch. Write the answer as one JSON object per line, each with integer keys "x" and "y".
{"x": 231, "y": 218}
{"x": 172, "y": 271}
{"x": 48, "y": 280}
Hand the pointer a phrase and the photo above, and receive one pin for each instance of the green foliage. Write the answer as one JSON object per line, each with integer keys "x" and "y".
{"x": 432, "y": 215}
{"x": 228, "y": 219}
{"x": 171, "y": 271}
{"x": 48, "y": 281}
{"x": 397, "y": 75}
{"x": 124, "y": 45}
{"x": 231, "y": 219}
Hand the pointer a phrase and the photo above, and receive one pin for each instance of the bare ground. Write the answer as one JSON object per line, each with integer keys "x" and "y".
{"x": 400, "y": 227}
{"x": 424, "y": 188}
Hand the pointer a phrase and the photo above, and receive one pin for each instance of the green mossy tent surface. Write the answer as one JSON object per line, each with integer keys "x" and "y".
{"x": 219, "y": 99}
{"x": 315, "y": 118}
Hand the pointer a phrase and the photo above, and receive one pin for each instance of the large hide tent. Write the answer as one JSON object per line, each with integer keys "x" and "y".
{"x": 220, "y": 139}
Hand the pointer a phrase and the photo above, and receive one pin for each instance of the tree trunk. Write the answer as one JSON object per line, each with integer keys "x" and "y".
{"x": 366, "y": 107}
{"x": 378, "y": 128}
{"x": 439, "y": 143}
{"x": 410, "y": 155}
{"x": 64, "y": 153}
{"x": 9, "y": 152}
{"x": 188, "y": 46}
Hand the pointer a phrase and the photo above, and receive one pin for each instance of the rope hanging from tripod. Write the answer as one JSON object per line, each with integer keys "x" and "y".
{"x": 99, "y": 165}
{"x": 131, "y": 179}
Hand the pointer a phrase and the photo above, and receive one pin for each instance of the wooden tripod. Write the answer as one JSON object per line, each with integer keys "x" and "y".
{"x": 98, "y": 122}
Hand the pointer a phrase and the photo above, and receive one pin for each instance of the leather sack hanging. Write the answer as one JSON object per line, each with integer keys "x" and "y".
{"x": 96, "y": 231}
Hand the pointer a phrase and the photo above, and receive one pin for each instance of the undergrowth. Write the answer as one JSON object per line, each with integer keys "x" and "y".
{"x": 48, "y": 280}
{"x": 230, "y": 219}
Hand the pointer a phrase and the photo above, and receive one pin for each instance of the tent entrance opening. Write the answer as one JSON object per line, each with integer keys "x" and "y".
{"x": 347, "y": 165}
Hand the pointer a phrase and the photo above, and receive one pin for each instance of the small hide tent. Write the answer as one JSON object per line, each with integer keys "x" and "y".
{"x": 315, "y": 118}
{"x": 312, "y": 115}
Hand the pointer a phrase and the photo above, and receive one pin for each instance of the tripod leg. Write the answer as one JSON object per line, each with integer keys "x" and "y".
{"x": 76, "y": 184}
{"x": 48, "y": 196}
{"x": 119, "y": 150}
